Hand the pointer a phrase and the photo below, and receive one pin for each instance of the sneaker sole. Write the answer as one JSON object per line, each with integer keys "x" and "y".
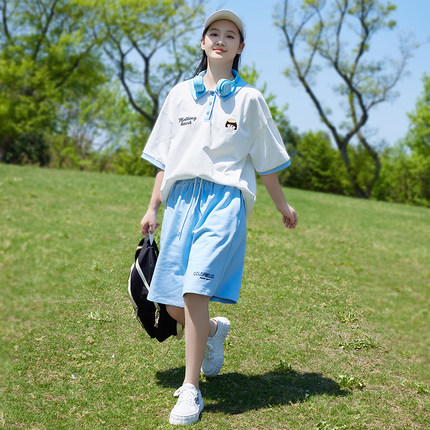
{"x": 184, "y": 421}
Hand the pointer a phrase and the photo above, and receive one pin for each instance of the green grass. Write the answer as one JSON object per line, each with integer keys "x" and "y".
{"x": 331, "y": 330}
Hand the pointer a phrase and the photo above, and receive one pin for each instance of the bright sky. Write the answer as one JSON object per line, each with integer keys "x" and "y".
{"x": 389, "y": 120}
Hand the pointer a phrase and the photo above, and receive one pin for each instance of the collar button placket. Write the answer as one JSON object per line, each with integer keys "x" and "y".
{"x": 210, "y": 106}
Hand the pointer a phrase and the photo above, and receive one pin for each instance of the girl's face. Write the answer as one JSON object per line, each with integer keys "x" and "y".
{"x": 222, "y": 41}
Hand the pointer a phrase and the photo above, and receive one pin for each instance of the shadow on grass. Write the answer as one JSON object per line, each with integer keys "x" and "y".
{"x": 234, "y": 393}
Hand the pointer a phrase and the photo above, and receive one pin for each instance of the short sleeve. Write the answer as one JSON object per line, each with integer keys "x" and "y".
{"x": 157, "y": 147}
{"x": 268, "y": 153}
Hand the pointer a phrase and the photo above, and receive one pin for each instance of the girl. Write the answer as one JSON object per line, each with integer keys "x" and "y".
{"x": 213, "y": 132}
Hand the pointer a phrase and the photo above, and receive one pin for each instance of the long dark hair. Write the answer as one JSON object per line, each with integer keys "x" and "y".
{"x": 203, "y": 65}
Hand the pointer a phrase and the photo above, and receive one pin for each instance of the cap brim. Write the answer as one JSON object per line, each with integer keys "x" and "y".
{"x": 229, "y": 16}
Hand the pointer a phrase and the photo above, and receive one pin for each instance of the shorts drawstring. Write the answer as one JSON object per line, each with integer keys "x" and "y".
{"x": 193, "y": 202}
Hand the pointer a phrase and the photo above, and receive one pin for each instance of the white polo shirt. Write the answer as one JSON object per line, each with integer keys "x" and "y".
{"x": 221, "y": 140}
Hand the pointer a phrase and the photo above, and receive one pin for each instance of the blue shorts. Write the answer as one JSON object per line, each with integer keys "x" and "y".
{"x": 202, "y": 247}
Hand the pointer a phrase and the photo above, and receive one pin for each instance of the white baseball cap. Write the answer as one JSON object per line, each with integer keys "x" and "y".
{"x": 229, "y": 16}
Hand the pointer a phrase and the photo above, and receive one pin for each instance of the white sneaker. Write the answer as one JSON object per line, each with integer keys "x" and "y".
{"x": 214, "y": 353}
{"x": 189, "y": 406}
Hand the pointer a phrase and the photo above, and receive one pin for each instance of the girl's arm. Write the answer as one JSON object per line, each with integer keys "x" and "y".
{"x": 274, "y": 188}
{"x": 149, "y": 220}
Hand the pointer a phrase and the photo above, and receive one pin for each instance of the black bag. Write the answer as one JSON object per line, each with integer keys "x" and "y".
{"x": 153, "y": 317}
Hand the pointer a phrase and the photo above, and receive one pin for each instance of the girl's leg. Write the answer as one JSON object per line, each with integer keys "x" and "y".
{"x": 197, "y": 329}
{"x": 178, "y": 314}
{"x": 196, "y": 335}
{"x": 190, "y": 402}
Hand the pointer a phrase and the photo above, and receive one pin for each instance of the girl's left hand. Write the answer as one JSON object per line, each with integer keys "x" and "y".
{"x": 290, "y": 216}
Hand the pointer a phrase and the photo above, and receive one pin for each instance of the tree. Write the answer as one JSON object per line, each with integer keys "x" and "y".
{"x": 418, "y": 141}
{"x": 419, "y": 130}
{"x": 394, "y": 183}
{"x": 316, "y": 165}
{"x": 46, "y": 48}
{"x": 94, "y": 130}
{"x": 405, "y": 173}
{"x": 147, "y": 44}
{"x": 321, "y": 31}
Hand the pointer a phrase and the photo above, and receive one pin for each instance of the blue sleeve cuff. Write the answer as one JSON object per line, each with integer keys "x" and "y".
{"x": 276, "y": 169}
{"x": 152, "y": 160}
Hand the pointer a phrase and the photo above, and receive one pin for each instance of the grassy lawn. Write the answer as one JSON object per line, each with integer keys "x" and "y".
{"x": 332, "y": 330}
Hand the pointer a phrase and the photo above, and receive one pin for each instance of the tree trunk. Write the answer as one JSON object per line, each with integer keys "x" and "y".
{"x": 374, "y": 154}
{"x": 358, "y": 191}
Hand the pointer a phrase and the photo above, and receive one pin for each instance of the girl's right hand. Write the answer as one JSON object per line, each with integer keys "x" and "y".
{"x": 149, "y": 222}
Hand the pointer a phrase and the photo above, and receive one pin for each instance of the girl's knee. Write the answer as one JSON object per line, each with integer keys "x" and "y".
{"x": 198, "y": 299}
{"x": 176, "y": 313}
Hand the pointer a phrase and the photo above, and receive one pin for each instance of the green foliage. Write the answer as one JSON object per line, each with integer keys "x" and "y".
{"x": 346, "y": 316}
{"x": 250, "y": 75}
{"x": 362, "y": 165}
{"x": 315, "y": 165}
{"x": 351, "y": 382}
{"x": 284, "y": 367}
{"x": 46, "y": 50}
{"x": 358, "y": 344}
{"x": 418, "y": 138}
{"x": 105, "y": 134}
{"x": 405, "y": 169}
{"x": 126, "y": 159}
{"x": 29, "y": 148}
{"x": 27, "y": 100}
{"x": 404, "y": 176}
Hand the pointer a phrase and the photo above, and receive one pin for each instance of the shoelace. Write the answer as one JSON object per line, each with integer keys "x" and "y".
{"x": 187, "y": 395}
